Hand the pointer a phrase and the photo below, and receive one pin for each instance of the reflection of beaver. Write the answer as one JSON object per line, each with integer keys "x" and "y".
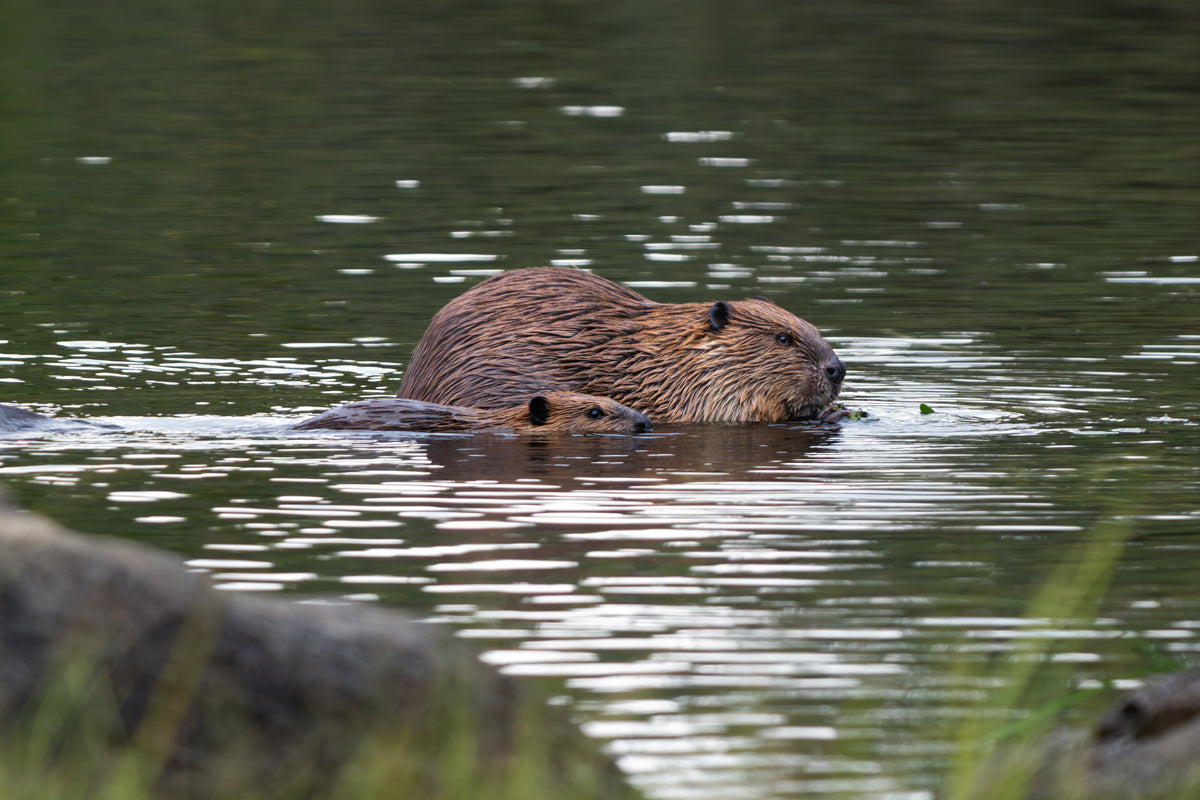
{"x": 676, "y": 454}
{"x": 557, "y": 412}
{"x": 533, "y": 330}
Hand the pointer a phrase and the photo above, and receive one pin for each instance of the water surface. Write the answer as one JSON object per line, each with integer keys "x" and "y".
{"x": 219, "y": 220}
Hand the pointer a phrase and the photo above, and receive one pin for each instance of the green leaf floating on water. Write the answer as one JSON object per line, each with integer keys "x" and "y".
{"x": 926, "y": 409}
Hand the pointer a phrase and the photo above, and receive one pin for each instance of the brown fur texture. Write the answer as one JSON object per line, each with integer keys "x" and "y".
{"x": 548, "y": 328}
{"x": 549, "y": 412}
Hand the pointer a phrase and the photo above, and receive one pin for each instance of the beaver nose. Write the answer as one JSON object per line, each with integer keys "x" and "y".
{"x": 835, "y": 370}
{"x": 643, "y": 425}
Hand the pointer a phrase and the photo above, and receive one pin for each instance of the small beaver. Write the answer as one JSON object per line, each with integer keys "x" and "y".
{"x": 552, "y": 328}
{"x": 556, "y": 412}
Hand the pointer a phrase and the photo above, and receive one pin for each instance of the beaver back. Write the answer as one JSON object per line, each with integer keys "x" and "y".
{"x": 519, "y": 333}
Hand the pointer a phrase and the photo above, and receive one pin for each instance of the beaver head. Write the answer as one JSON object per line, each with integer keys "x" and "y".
{"x": 731, "y": 361}
{"x": 790, "y": 371}
{"x": 568, "y": 412}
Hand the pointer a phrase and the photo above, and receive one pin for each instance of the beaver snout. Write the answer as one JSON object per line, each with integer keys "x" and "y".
{"x": 638, "y": 422}
{"x": 835, "y": 370}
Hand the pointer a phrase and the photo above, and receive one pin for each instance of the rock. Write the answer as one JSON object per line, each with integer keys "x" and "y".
{"x": 232, "y": 695}
{"x": 1146, "y": 745}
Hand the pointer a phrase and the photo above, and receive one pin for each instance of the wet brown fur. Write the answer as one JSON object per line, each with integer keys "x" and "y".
{"x": 550, "y": 412}
{"x": 532, "y": 330}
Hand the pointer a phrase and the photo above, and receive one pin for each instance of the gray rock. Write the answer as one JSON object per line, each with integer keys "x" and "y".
{"x": 1146, "y": 745}
{"x": 228, "y": 691}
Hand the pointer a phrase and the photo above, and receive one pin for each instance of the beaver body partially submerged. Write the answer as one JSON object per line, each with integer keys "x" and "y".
{"x": 14, "y": 419}
{"x": 555, "y": 329}
{"x": 550, "y": 412}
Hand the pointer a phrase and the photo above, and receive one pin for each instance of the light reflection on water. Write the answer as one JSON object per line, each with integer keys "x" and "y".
{"x": 760, "y": 612}
{"x": 769, "y": 612}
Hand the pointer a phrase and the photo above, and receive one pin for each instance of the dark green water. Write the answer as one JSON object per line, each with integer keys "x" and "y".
{"x": 217, "y": 217}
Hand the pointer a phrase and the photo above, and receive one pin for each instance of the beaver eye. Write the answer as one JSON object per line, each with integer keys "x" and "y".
{"x": 595, "y": 413}
{"x": 783, "y": 338}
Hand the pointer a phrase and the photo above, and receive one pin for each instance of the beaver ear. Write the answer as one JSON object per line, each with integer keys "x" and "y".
{"x": 718, "y": 314}
{"x": 539, "y": 410}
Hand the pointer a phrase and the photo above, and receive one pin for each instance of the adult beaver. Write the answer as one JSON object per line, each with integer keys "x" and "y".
{"x": 557, "y": 412}
{"x": 551, "y": 328}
